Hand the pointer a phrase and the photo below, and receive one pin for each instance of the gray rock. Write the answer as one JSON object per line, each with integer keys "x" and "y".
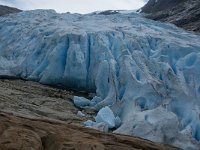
{"x": 183, "y": 13}
{"x": 7, "y": 10}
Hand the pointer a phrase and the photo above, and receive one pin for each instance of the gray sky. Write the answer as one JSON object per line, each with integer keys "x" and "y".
{"x": 78, "y": 6}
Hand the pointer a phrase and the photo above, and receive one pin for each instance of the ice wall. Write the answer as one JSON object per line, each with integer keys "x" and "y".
{"x": 145, "y": 72}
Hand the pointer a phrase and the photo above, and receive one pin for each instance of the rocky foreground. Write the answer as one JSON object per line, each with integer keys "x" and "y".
{"x": 33, "y": 100}
{"x": 39, "y": 117}
{"x": 18, "y": 133}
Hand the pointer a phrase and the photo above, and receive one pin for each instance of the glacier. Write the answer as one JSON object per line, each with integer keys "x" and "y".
{"x": 145, "y": 74}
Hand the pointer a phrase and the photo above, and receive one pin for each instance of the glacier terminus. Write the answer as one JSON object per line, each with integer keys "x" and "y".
{"x": 145, "y": 74}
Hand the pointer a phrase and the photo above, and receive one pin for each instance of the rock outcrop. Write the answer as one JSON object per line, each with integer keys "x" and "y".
{"x": 33, "y": 100}
{"x": 17, "y": 133}
{"x": 183, "y": 13}
{"x": 7, "y": 10}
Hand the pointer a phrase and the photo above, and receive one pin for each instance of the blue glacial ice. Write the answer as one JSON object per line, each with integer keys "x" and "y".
{"x": 81, "y": 101}
{"x": 147, "y": 73}
{"x": 107, "y": 116}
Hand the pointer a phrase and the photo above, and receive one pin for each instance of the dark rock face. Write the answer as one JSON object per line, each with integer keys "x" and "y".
{"x": 7, "y": 10}
{"x": 109, "y": 12}
{"x": 159, "y": 5}
{"x": 183, "y": 13}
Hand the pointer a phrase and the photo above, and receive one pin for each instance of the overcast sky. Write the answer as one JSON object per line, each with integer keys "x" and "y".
{"x": 78, "y": 6}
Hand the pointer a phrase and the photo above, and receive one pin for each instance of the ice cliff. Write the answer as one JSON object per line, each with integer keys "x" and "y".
{"x": 146, "y": 75}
